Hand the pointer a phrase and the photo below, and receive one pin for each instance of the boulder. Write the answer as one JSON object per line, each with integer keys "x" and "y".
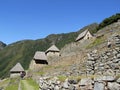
{"x": 99, "y": 86}
{"x": 113, "y": 86}
{"x": 66, "y": 84}
{"x": 118, "y": 55}
{"x": 116, "y": 60}
{"x": 105, "y": 78}
{"x": 85, "y": 81}
{"x": 118, "y": 80}
{"x": 72, "y": 81}
{"x": 57, "y": 87}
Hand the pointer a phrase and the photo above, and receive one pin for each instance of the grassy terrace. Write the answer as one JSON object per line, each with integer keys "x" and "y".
{"x": 98, "y": 41}
{"x": 29, "y": 84}
{"x": 13, "y": 84}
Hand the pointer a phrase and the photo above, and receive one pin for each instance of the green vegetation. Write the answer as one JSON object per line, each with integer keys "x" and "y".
{"x": 62, "y": 78}
{"x": 40, "y": 73}
{"x": 29, "y": 84}
{"x": 23, "y": 51}
{"x": 12, "y": 87}
{"x": 2, "y": 45}
{"x": 13, "y": 84}
{"x": 33, "y": 83}
{"x": 66, "y": 38}
{"x": 43, "y": 70}
{"x": 4, "y": 83}
{"x": 96, "y": 42}
{"x": 107, "y": 21}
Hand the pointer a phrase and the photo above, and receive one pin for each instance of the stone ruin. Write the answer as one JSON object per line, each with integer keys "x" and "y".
{"x": 102, "y": 72}
{"x": 107, "y": 63}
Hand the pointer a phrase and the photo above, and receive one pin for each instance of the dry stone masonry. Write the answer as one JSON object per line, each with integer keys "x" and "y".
{"x": 102, "y": 72}
{"x": 98, "y": 83}
{"x": 106, "y": 63}
{"x": 105, "y": 67}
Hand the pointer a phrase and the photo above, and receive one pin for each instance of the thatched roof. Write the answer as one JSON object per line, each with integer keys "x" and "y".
{"x": 17, "y": 68}
{"x": 81, "y": 35}
{"x": 53, "y": 48}
{"x": 40, "y": 56}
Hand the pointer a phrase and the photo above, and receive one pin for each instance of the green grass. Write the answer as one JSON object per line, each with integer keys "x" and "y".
{"x": 97, "y": 41}
{"x": 22, "y": 86}
{"x": 23, "y": 52}
{"x": 12, "y": 87}
{"x": 30, "y": 83}
{"x": 40, "y": 73}
{"x": 62, "y": 78}
{"x": 4, "y": 83}
{"x": 13, "y": 84}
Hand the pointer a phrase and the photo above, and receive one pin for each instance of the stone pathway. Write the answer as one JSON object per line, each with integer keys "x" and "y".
{"x": 27, "y": 86}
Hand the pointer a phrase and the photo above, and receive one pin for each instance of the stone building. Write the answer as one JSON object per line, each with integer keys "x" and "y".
{"x": 40, "y": 58}
{"x": 17, "y": 70}
{"x": 118, "y": 20}
{"x": 84, "y": 36}
{"x": 52, "y": 51}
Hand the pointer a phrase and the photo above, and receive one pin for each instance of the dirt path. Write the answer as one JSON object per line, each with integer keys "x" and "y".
{"x": 27, "y": 86}
{"x": 19, "y": 87}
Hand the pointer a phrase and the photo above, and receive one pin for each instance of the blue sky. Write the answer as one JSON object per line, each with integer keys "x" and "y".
{"x": 35, "y": 19}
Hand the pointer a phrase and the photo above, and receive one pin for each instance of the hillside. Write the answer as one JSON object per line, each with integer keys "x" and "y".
{"x": 74, "y": 55}
{"x": 89, "y": 65}
{"x": 2, "y": 45}
{"x": 74, "y": 62}
{"x": 23, "y": 51}
{"x": 72, "y": 68}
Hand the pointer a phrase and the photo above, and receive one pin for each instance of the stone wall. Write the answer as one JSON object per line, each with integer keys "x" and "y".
{"x": 102, "y": 72}
{"x": 49, "y": 54}
{"x": 96, "y": 83}
{"x": 105, "y": 63}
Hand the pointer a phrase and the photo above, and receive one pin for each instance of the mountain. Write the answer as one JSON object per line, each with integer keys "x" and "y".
{"x": 2, "y": 45}
{"x": 23, "y": 51}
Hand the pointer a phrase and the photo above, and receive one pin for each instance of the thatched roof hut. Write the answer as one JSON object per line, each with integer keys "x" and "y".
{"x": 52, "y": 51}
{"x": 53, "y": 48}
{"x": 40, "y": 57}
{"x": 17, "y": 70}
{"x": 84, "y": 35}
